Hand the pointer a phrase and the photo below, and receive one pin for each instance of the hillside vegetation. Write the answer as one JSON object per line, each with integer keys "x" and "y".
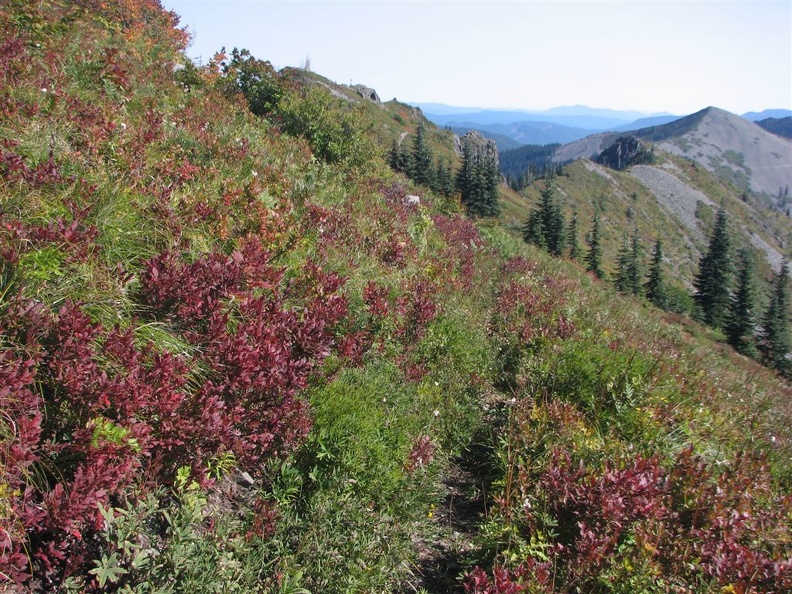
{"x": 235, "y": 357}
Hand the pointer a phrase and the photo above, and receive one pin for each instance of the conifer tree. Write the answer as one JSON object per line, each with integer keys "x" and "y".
{"x": 655, "y": 285}
{"x": 775, "y": 342}
{"x": 477, "y": 181}
{"x": 545, "y": 225}
{"x": 594, "y": 254}
{"x": 464, "y": 177}
{"x": 622, "y": 276}
{"x": 741, "y": 321}
{"x": 477, "y": 201}
{"x": 714, "y": 275}
{"x": 421, "y": 158}
{"x": 572, "y": 239}
{"x": 398, "y": 157}
{"x": 443, "y": 178}
{"x": 533, "y": 232}
{"x": 491, "y": 179}
{"x": 634, "y": 269}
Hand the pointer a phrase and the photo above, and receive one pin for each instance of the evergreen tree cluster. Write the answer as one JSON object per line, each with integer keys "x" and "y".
{"x": 718, "y": 302}
{"x": 715, "y": 269}
{"x": 419, "y": 164}
{"x": 477, "y": 181}
{"x": 628, "y": 268}
{"x": 523, "y": 165}
{"x": 546, "y": 225}
{"x": 734, "y": 311}
{"x": 775, "y": 342}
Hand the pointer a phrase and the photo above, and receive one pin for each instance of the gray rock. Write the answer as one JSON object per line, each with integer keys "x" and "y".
{"x": 243, "y": 479}
{"x": 367, "y": 93}
{"x": 482, "y": 147}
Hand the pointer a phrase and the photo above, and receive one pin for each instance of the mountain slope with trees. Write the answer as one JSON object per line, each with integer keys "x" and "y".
{"x": 236, "y": 355}
{"x": 734, "y": 149}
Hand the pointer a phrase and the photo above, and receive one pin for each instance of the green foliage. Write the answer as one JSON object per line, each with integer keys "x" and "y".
{"x": 594, "y": 254}
{"x": 419, "y": 163}
{"x": 678, "y": 300}
{"x": 775, "y": 341}
{"x": 656, "y": 290}
{"x": 335, "y": 135}
{"x": 545, "y": 227}
{"x": 477, "y": 181}
{"x": 714, "y": 276}
{"x": 521, "y": 166}
{"x": 443, "y": 178}
{"x": 451, "y": 335}
{"x": 628, "y": 266}
{"x": 398, "y": 157}
{"x": 421, "y": 159}
{"x": 741, "y": 320}
{"x": 572, "y": 238}
{"x": 107, "y": 570}
{"x": 256, "y": 79}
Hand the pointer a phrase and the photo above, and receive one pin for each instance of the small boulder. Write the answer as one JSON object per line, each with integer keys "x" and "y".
{"x": 367, "y": 93}
{"x": 243, "y": 479}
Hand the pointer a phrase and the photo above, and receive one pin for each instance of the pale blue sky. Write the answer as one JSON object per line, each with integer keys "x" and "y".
{"x": 648, "y": 56}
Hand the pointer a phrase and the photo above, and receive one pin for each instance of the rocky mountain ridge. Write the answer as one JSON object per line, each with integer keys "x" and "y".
{"x": 723, "y": 143}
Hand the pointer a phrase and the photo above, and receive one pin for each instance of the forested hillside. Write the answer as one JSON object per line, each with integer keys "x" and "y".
{"x": 238, "y": 355}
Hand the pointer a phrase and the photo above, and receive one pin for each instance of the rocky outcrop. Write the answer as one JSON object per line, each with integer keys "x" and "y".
{"x": 483, "y": 147}
{"x": 626, "y": 151}
{"x": 367, "y": 93}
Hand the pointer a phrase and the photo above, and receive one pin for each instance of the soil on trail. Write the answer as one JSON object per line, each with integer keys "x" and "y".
{"x": 441, "y": 560}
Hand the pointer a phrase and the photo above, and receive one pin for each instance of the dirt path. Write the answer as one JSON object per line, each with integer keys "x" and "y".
{"x": 441, "y": 560}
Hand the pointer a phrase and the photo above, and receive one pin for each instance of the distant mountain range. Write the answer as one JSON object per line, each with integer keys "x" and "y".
{"x": 557, "y": 125}
{"x": 779, "y": 126}
{"x": 723, "y": 143}
{"x": 767, "y": 113}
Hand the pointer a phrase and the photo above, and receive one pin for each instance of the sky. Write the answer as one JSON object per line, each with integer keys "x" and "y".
{"x": 649, "y": 56}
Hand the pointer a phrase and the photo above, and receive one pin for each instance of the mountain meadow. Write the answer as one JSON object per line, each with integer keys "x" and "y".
{"x": 260, "y": 332}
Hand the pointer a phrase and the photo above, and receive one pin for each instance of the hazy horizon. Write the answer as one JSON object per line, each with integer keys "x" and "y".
{"x": 649, "y": 57}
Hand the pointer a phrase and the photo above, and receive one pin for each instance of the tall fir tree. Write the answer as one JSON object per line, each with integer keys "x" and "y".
{"x": 714, "y": 275}
{"x": 594, "y": 254}
{"x": 477, "y": 181}
{"x": 572, "y": 237}
{"x": 622, "y": 275}
{"x": 443, "y": 178}
{"x": 532, "y": 230}
{"x": 655, "y": 285}
{"x": 398, "y": 157}
{"x": 545, "y": 225}
{"x": 465, "y": 177}
{"x": 634, "y": 280}
{"x": 775, "y": 341}
{"x": 421, "y": 160}
{"x": 741, "y": 319}
{"x": 491, "y": 175}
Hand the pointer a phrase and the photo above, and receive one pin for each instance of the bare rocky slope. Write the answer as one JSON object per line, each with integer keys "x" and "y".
{"x": 723, "y": 143}
{"x": 727, "y": 144}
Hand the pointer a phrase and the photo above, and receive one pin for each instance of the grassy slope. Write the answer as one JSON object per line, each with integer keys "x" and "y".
{"x": 624, "y": 205}
{"x": 446, "y": 322}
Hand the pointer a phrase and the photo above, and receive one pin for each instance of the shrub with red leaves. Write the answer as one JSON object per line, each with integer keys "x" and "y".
{"x": 640, "y": 513}
{"x": 90, "y": 411}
